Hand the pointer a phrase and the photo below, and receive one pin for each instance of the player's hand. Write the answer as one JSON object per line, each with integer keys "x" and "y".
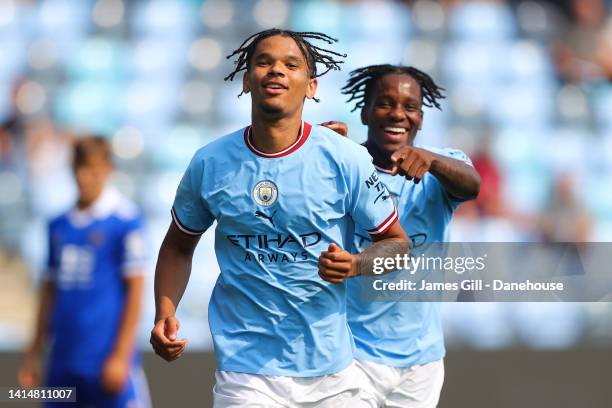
{"x": 28, "y": 375}
{"x": 336, "y": 264}
{"x": 115, "y": 373}
{"x": 339, "y": 127}
{"x": 163, "y": 339}
{"x": 412, "y": 162}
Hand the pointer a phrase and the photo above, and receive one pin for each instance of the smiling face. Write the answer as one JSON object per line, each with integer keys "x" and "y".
{"x": 393, "y": 112}
{"x": 278, "y": 77}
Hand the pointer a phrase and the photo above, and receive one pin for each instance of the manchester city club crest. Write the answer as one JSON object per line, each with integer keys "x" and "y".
{"x": 265, "y": 193}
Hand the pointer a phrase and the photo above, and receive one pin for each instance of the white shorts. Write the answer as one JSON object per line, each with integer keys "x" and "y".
{"x": 340, "y": 390}
{"x": 395, "y": 387}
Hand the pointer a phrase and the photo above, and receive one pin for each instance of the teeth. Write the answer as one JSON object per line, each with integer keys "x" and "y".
{"x": 274, "y": 86}
{"x": 394, "y": 129}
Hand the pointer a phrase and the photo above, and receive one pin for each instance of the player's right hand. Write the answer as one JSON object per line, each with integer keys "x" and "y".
{"x": 163, "y": 339}
{"x": 28, "y": 375}
{"x": 336, "y": 264}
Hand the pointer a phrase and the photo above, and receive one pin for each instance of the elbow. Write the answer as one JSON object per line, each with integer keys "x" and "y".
{"x": 474, "y": 189}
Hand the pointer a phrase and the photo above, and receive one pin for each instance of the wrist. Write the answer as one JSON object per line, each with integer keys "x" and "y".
{"x": 119, "y": 357}
{"x": 35, "y": 350}
{"x": 165, "y": 309}
{"x": 355, "y": 263}
{"x": 436, "y": 163}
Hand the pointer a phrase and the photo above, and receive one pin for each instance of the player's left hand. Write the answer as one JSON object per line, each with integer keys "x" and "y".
{"x": 339, "y": 127}
{"x": 412, "y": 162}
{"x": 336, "y": 264}
{"x": 115, "y": 373}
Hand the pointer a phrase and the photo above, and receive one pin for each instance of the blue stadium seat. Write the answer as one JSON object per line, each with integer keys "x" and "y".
{"x": 603, "y": 106}
{"x": 157, "y": 58}
{"x": 165, "y": 18}
{"x": 99, "y": 59}
{"x": 483, "y": 21}
{"x": 142, "y": 103}
{"x": 90, "y": 105}
{"x": 63, "y": 22}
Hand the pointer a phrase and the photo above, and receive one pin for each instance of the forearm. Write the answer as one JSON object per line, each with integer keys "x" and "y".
{"x": 459, "y": 179}
{"x": 124, "y": 344}
{"x": 171, "y": 277}
{"x": 386, "y": 249}
{"x": 47, "y": 297}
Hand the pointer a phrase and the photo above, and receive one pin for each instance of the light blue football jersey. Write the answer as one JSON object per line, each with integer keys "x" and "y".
{"x": 270, "y": 312}
{"x": 395, "y": 333}
{"x": 90, "y": 253}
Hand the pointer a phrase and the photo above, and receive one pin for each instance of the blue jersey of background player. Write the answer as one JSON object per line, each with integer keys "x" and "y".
{"x": 399, "y": 345}
{"x": 286, "y": 197}
{"x": 91, "y": 294}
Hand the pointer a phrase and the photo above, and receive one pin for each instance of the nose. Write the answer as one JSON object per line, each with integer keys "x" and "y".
{"x": 276, "y": 69}
{"x": 397, "y": 114}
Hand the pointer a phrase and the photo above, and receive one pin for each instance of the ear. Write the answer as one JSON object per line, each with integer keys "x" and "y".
{"x": 364, "y": 116}
{"x": 421, "y": 119}
{"x": 311, "y": 88}
{"x": 246, "y": 86}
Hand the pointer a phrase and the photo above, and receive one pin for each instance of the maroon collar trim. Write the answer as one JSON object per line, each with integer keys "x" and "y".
{"x": 303, "y": 135}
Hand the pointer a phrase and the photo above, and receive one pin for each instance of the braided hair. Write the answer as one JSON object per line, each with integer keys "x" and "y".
{"x": 363, "y": 80}
{"x": 314, "y": 55}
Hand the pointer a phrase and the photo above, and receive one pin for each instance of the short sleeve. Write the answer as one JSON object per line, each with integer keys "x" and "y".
{"x": 189, "y": 211}
{"x": 372, "y": 207}
{"x": 457, "y": 155}
{"x": 133, "y": 247}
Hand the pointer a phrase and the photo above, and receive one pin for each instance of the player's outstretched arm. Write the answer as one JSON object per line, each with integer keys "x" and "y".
{"x": 117, "y": 366}
{"x": 29, "y": 373}
{"x": 171, "y": 277}
{"x": 337, "y": 264}
{"x": 458, "y": 179}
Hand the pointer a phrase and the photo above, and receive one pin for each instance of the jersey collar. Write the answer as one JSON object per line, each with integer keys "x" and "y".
{"x": 102, "y": 207}
{"x": 301, "y": 139}
{"x": 383, "y": 170}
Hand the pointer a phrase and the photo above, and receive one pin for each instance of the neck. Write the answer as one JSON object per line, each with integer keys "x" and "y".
{"x": 271, "y": 135}
{"x": 381, "y": 158}
{"x": 84, "y": 204}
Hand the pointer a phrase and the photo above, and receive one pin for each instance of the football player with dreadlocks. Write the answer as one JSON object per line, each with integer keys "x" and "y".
{"x": 286, "y": 197}
{"x": 400, "y": 345}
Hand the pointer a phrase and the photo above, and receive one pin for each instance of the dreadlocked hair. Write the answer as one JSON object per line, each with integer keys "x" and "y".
{"x": 363, "y": 80}
{"x": 314, "y": 55}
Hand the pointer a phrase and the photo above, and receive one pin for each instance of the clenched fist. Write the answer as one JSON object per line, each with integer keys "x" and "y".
{"x": 412, "y": 162}
{"x": 336, "y": 264}
{"x": 163, "y": 339}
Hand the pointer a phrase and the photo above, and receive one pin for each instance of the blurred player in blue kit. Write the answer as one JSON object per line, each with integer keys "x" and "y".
{"x": 91, "y": 294}
{"x": 286, "y": 197}
{"x": 400, "y": 345}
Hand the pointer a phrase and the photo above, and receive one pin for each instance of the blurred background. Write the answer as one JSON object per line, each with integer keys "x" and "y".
{"x": 529, "y": 98}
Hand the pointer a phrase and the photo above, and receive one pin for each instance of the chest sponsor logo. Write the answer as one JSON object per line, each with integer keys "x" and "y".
{"x": 275, "y": 248}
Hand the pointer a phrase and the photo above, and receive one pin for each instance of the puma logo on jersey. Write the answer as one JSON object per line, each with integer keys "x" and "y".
{"x": 260, "y": 214}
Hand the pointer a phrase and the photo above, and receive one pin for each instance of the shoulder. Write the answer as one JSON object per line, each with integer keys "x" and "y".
{"x": 448, "y": 152}
{"x": 219, "y": 146}
{"x": 126, "y": 210}
{"x": 342, "y": 148}
{"x": 58, "y": 221}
